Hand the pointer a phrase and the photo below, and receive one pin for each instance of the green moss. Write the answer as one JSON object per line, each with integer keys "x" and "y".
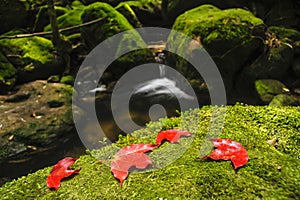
{"x": 7, "y": 71}
{"x": 285, "y": 33}
{"x": 42, "y": 18}
{"x": 271, "y": 173}
{"x": 285, "y": 100}
{"x": 69, "y": 80}
{"x": 213, "y": 24}
{"x": 268, "y": 88}
{"x": 113, "y": 22}
{"x": 69, "y": 19}
{"x": 127, "y": 11}
{"x": 32, "y": 50}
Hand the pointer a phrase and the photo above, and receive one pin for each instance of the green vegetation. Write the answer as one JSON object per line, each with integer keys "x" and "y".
{"x": 211, "y": 23}
{"x": 7, "y": 72}
{"x": 70, "y": 18}
{"x": 32, "y": 51}
{"x": 268, "y": 88}
{"x": 271, "y": 173}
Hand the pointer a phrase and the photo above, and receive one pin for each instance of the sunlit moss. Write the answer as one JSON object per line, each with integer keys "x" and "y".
{"x": 271, "y": 173}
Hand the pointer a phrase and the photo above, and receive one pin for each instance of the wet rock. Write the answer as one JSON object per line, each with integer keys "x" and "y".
{"x": 31, "y": 121}
{"x": 285, "y": 100}
{"x": 34, "y": 57}
{"x": 268, "y": 88}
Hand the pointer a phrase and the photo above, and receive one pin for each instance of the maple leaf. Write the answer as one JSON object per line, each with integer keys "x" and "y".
{"x": 129, "y": 156}
{"x": 227, "y": 149}
{"x": 59, "y": 171}
{"x": 172, "y": 136}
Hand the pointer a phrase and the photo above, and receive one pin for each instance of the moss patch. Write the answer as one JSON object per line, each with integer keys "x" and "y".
{"x": 272, "y": 171}
{"x": 33, "y": 49}
{"x": 211, "y": 23}
{"x": 70, "y": 18}
{"x": 7, "y": 73}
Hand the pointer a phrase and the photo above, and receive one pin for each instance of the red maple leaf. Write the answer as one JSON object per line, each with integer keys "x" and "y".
{"x": 171, "y": 136}
{"x": 229, "y": 150}
{"x": 128, "y": 157}
{"x": 60, "y": 171}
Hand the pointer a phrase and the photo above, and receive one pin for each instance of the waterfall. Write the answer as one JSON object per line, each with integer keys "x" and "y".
{"x": 162, "y": 70}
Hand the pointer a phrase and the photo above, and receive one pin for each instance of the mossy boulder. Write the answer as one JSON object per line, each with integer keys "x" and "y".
{"x": 12, "y": 15}
{"x": 146, "y": 12}
{"x": 285, "y": 33}
{"x": 69, "y": 19}
{"x": 42, "y": 18}
{"x": 111, "y": 24}
{"x": 7, "y": 74}
{"x": 125, "y": 9}
{"x": 33, "y": 57}
{"x": 268, "y": 88}
{"x": 227, "y": 35}
{"x": 285, "y": 100}
{"x": 38, "y": 116}
{"x": 271, "y": 173}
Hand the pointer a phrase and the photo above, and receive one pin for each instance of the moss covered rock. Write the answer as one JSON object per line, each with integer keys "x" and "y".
{"x": 42, "y": 18}
{"x": 271, "y": 173}
{"x": 285, "y": 33}
{"x": 285, "y": 100}
{"x": 268, "y": 88}
{"x": 34, "y": 57}
{"x": 147, "y": 12}
{"x": 7, "y": 74}
{"x": 125, "y": 8}
{"x": 227, "y": 35}
{"x": 69, "y": 19}
{"x": 111, "y": 24}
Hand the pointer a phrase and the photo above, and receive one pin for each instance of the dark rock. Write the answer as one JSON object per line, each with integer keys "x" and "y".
{"x": 285, "y": 100}
{"x": 18, "y": 97}
{"x": 12, "y": 15}
{"x": 42, "y": 18}
{"x": 296, "y": 66}
{"x": 55, "y": 103}
{"x": 275, "y": 63}
{"x": 268, "y": 88}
